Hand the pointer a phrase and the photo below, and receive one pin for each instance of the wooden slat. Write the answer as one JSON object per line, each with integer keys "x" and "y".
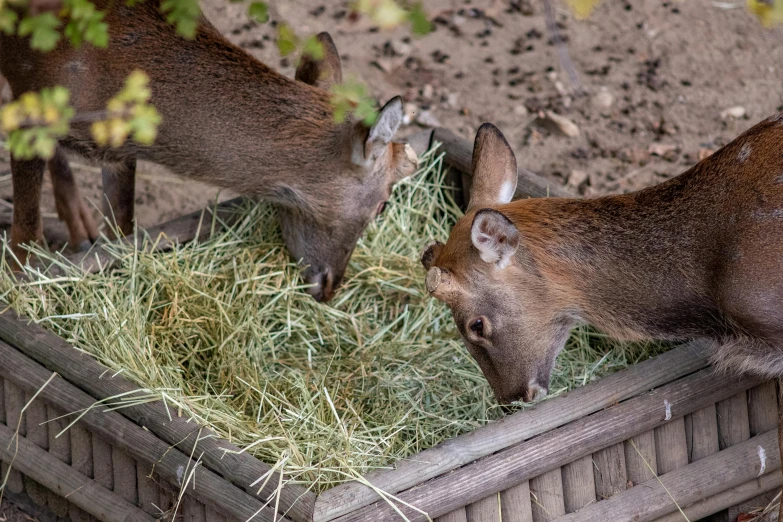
{"x": 124, "y": 468}
{"x": 752, "y": 504}
{"x": 546, "y": 491}
{"x": 578, "y": 484}
{"x": 14, "y": 402}
{"x": 37, "y": 433}
{"x": 709, "y": 476}
{"x": 214, "y": 516}
{"x": 81, "y": 460}
{"x": 136, "y": 441}
{"x": 515, "y": 503}
{"x": 485, "y": 510}
{"x": 167, "y": 500}
{"x": 557, "y": 447}
{"x": 59, "y": 447}
{"x": 3, "y": 465}
{"x": 64, "y": 480}
{"x": 458, "y": 515}
{"x": 733, "y": 423}
{"x": 671, "y": 447}
{"x": 149, "y": 491}
{"x": 103, "y": 468}
{"x": 641, "y": 463}
{"x": 701, "y": 432}
{"x": 609, "y": 471}
{"x": 512, "y": 429}
{"x": 763, "y": 408}
{"x": 725, "y": 499}
{"x": 193, "y": 510}
{"x": 218, "y": 455}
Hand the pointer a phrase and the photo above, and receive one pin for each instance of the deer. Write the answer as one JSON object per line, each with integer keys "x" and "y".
{"x": 697, "y": 256}
{"x": 227, "y": 120}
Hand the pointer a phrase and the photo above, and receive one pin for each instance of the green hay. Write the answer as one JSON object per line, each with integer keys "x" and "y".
{"x": 224, "y": 331}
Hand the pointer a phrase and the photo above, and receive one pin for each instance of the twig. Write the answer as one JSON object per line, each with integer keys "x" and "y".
{"x": 562, "y": 48}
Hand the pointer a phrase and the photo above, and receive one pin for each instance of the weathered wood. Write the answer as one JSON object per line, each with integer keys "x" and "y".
{"x": 197, "y": 225}
{"x": 3, "y": 465}
{"x": 485, "y": 510}
{"x": 458, "y": 515}
{"x": 609, "y": 471}
{"x": 218, "y": 455}
{"x": 81, "y": 460}
{"x": 59, "y": 447}
{"x": 149, "y": 492}
{"x": 546, "y": 493}
{"x": 579, "y": 484}
{"x": 14, "y": 402}
{"x": 124, "y": 468}
{"x": 762, "y": 408}
{"x": 671, "y": 447}
{"x": 709, "y": 476}
{"x": 515, "y": 503}
{"x": 66, "y": 481}
{"x": 103, "y": 469}
{"x": 167, "y": 501}
{"x": 752, "y": 504}
{"x": 640, "y": 459}
{"x": 124, "y": 435}
{"x": 459, "y": 154}
{"x": 557, "y": 447}
{"x": 214, "y": 516}
{"x": 733, "y": 423}
{"x": 193, "y": 510}
{"x": 701, "y": 433}
{"x": 512, "y": 429}
{"x": 35, "y": 419}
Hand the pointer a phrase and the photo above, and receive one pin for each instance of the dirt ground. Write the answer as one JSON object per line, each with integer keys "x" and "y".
{"x": 657, "y": 85}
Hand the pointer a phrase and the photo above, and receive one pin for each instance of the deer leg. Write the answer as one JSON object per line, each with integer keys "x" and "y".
{"x": 71, "y": 207}
{"x": 119, "y": 193}
{"x": 26, "y": 226}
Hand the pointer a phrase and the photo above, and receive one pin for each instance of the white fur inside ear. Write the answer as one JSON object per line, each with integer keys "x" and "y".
{"x": 389, "y": 120}
{"x": 495, "y": 238}
{"x": 507, "y": 191}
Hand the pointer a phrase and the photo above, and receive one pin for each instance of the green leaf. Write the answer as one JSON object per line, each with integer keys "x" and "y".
{"x": 43, "y": 31}
{"x": 420, "y": 24}
{"x": 313, "y": 48}
{"x": 183, "y": 14}
{"x": 286, "y": 39}
{"x": 8, "y": 21}
{"x": 259, "y": 11}
{"x": 86, "y": 23}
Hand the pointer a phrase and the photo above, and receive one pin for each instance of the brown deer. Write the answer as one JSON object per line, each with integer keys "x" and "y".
{"x": 700, "y": 255}
{"x": 228, "y": 120}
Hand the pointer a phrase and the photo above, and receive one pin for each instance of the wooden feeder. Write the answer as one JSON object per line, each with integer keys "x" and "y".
{"x": 665, "y": 435}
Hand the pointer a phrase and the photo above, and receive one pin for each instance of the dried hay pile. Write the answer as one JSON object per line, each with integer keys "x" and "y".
{"x": 223, "y": 330}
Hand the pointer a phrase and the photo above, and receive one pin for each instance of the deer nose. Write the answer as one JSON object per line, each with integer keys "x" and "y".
{"x": 534, "y": 391}
{"x": 323, "y": 286}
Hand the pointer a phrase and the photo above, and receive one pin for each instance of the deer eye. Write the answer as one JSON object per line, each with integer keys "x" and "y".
{"x": 381, "y": 208}
{"x": 477, "y": 327}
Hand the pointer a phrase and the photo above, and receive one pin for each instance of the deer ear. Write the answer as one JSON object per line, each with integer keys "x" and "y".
{"x": 494, "y": 169}
{"x": 325, "y": 72}
{"x": 372, "y": 143}
{"x": 495, "y": 237}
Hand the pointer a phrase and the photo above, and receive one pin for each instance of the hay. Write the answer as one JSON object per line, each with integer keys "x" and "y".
{"x": 224, "y": 331}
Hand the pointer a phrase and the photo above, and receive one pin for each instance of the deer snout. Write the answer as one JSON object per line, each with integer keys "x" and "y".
{"x": 323, "y": 284}
{"x": 526, "y": 393}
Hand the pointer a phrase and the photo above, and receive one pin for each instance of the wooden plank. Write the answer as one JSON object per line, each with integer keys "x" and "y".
{"x": 709, "y": 476}
{"x": 578, "y": 484}
{"x": 752, "y": 504}
{"x": 218, "y": 455}
{"x": 763, "y": 408}
{"x": 510, "y": 430}
{"x": 725, "y": 499}
{"x": 558, "y": 447}
{"x": 124, "y": 468}
{"x": 167, "y": 501}
{"x": 14, "y": 402}
{"x": 59, "y": 447}
{"x": 66, "y": 481}
{"x": 671, "y": 447}
{"x": 733, "y": 422}
{"x": 81, "y": 461}
{"x": 485, "y": 510}
{"x": 701, "y": 433}
{"x": 516, "y": 505}
{"x": 37, "y": 433}
{"x": 458, "y": 515}
{"x": 3, "y": 465}
{"x": 640, "y": 460}
{"x": 459, "y": 154}
{"x": 103, "y": 468}
{"x": 214, "y": 516}
{"x": 546, "y": 492}
{"x": 139, "y": 443}
{"x": 609, "y": 471}
{"x": 192, "y": 510}
{"x": 149, "y": 492}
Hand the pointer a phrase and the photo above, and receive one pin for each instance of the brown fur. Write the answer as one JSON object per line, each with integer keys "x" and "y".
{"x": 698, "y": 256}
{"x": 228, "y": 120}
